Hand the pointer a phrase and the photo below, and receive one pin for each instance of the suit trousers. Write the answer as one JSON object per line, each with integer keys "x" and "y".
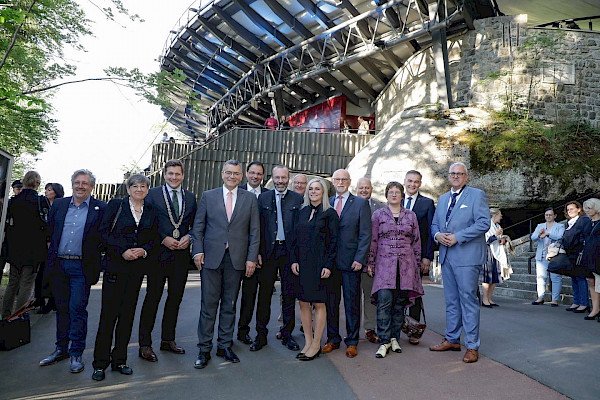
{"x": 220, "y": 289}
{"x": 175, "y": 269}
{"x": 249, "y": 292}
{"x": 278, "y": 261}
{"x": 369, "y": 309}
{"x": 462, "y": 305}
{"x": 20, "y": 284}
{"x": 71, "y": 293}
{"x": 119, "y": 299}
{"x": 349, "y": 281}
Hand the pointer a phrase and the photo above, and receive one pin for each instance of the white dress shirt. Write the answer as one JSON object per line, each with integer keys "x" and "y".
{"x": 179, "y": 195}
{"x": 412, "y": 202}
{"x": 252, "y": 190}
{"x": 233, "y": 195}
{"x": 344, "y": 200}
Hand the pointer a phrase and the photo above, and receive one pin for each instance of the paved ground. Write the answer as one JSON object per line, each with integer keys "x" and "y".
{"x": 519, "y": 342}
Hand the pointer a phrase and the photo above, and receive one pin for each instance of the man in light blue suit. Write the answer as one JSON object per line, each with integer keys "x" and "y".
{"x": 461, "y": 219}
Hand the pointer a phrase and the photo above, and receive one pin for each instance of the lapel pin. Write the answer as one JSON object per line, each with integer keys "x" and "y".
{"x": 96, "y": 208}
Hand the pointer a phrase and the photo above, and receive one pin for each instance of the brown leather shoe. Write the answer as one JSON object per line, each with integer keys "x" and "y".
{"x": 172, "y": 347}
{"x": 471, "y": 356}
{"x": 329, "y": 347}
{"x": 147, "y": 354}
{"x": 351, "y": 352}
{"x": 413, "y": 340}
{"x": 372, "y": 336}
{"x": 445, "y": 346}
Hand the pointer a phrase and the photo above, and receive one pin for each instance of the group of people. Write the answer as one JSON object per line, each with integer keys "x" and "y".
{"x": 244, "y": 236}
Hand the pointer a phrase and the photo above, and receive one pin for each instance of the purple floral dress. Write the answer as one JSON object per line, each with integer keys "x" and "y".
{"x": 396, "y": 247}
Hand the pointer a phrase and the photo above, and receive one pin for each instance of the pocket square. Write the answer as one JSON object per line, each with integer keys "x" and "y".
{"x": 463, "y": 206}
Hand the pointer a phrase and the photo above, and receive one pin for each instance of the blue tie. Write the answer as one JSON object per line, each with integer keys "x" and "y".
{"x": 408, "y": 203}
{"x": 452, "y": 204}
{"x": 280, "y": 231}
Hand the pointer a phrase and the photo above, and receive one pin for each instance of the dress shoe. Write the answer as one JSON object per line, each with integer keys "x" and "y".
{"x": 98, "y": 374}
{"x": 471, "y": 356}
{"x": 570, "y": 308}
{"x": 299, "y": 355}
{"x": 537, "y": 302}
{"x": 351, "y": 351}
{"x": 202, "y": 360}
{"x": 307, "y": 358}
{"x": 122, "y": 368}
{"x": 383, "y": 350}
{"x": 329, "y": 347}
{"x": 445, "y": 346}
{"x": 553, "y": 304}
{"x": 486, "y": 305}
{"x": 258, "y": 344}
{"x": 494, "y": 305}
{"x": 591, "y": 317}
{"x": 58, "y": 355}
{"x": 372, "y": 336}
{"x": 245, "y": 339}
{"x": 581, "y": 311}
{"x": 76, "y": 364}
{"x": 290, "y": 343}
{"x": 413, "y": 340}
{"x": 170, "y": 345}
{"x": 395, "y": 345}
{"x": 228, "y": 355}
{"x": 147, "y": 354}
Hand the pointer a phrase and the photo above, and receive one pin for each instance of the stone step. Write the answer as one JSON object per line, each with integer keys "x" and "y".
{"x": 529, "y": 295}
{"x": 530, "y": 287}
{"x": 525, "y": 277}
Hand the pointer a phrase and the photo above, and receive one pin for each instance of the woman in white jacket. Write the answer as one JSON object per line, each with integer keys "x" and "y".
{"x": 497, "y": 266}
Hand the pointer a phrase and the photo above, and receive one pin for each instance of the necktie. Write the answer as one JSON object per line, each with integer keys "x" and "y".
{"x": 408, "y": 203}
{"x": 280, "y": 231}
{"x": 229, "y": 205}
{"x": 338, "y": 207}
{"x": 175, "y": 204}
{"x": 452, "y": 204}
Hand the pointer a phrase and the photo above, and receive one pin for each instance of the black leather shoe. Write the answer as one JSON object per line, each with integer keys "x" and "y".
{"x": 58, "y": 355}
{"x": 307, "y": 358}
{"x": 98, "y": 374}
{"x": 228, "y": 355}
{"x": 290, "y": 343}
{"x": 257, "y": 345}
{"x": 202, "y": 360}
{"x": 172, "y": 347}
{"x": 122, "y": 368}
{"x": 578, "y": 311}
{"x": 245, "y": 339}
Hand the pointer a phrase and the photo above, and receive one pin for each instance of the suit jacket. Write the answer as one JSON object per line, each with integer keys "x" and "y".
{"x": 267, "y": 208}
{"x": 156, "y": 199}
{"x": 573, "y": 238}
{"x": 425, "y": 209}
{"x": 469, "y": 221}
{"x": 375, "y": 205}
{"x": 354, "y": 235}
{"x": 211, "y": 231}
{"x": 91, "y": 245}
{"x": 127, "y": 235}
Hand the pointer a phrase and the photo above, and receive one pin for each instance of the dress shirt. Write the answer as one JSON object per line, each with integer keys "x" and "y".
{"x": 233, "y": 195}
{"x": 179, "y": 191}
{"x": 252, "y": 190}
{"x": 135, "y": 217}
{"x": 412, "y": 202}
{"x": 72, "y": 234}
{"x": 459, "y": 191}
{"x": 344, "y": 200}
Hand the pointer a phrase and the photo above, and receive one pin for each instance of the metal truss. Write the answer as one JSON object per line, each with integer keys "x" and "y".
{"x": 362, "y": 36}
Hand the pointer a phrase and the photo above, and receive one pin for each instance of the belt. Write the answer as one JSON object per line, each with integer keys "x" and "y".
{"x": 69, "y": 257}
{"x": 280, "y": 242}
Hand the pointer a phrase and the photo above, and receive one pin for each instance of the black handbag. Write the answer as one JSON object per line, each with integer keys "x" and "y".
{"x": 411, "y": 326}
{"x": 14, "y": 333}
{"x": 562, "y": 265}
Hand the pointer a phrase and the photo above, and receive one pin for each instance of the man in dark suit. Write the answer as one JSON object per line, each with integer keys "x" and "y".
{"x": 225, "y": 243}
{"x": 278, "y": 209}
{"x": 73, "y": 265}
{"x": 176, "y": 210}
{"x": 354, "y": 241}
{"x": 364, "y": 189}
{"x": 255, "y": 172}
{"x": 424, "y": 208}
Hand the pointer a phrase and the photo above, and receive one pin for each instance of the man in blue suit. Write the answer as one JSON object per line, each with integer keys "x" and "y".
{"x": 73, "y": 265}
{"x": 354, "y": 241}
{"x": 459, "y": 225}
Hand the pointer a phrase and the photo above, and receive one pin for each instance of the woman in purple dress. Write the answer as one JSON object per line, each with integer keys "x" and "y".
{"x": 394, "y": 261}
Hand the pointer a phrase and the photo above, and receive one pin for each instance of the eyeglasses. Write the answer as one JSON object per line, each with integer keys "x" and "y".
{"x": 230, "y": 173}
{"x": 341, "y": 179}
{"x": 456, "y": 174}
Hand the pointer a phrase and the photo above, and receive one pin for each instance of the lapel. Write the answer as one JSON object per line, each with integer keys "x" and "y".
{"x": 347, "y": 205}
{"x": 92, "y": 215}
{"x": 60, "y": 218}
{"x": 462, "y": 200}
{"x": 221, "y": 203}
{"x": 238, "y": 204}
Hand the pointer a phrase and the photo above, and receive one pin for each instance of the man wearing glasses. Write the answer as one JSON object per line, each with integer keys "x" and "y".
{"x": 459, "y": 225}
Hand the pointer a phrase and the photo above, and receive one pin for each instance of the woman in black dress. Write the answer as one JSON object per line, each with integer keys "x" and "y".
{"x": 315, "y": 246}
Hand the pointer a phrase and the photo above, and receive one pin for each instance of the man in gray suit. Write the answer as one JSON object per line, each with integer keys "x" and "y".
{"x": 225, "y": 244}
{"x": 364, "y": 189}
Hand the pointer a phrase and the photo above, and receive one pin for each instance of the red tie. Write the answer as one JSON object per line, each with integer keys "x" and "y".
{"x": 339, "y": 205}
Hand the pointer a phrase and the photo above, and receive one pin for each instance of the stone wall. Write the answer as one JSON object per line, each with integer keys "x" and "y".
{"x": 499, "y": 46}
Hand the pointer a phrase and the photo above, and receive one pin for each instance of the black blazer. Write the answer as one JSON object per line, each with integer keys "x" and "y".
{"x": 90, "y": 247}
{"x": 156, "y": 199}
{"x": 572, "y": 240}
{"x": 290, "y": 204}
{"x": 591, "y": 250}
{"x": 126, "y": 235}
{"x": 424, "y": 208}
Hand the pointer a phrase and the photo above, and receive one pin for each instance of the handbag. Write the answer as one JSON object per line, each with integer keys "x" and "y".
{"x": 562, "y": 265}
{"x": 411, "y": 326}
{"x": 15, "y": 329}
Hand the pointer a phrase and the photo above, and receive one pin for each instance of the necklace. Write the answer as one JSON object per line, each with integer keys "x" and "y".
{"x": 177, "y": 224}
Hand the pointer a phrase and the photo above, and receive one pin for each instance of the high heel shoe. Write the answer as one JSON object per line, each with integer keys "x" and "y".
{"x": 578, "y": 311}
{"x": 300, "y": 355}
{"x": 537, "y": 302}
{"x": 591, "y": 317}
{"x": 571, "y": 308}
{"x": 307, "y": 358}
{"x": 486, "y": 305}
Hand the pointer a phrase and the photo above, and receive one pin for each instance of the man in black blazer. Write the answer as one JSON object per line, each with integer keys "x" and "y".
{"x": 73, "y": 265}
{"x": 255, "y": 172}
{"x": 278, "y": 209}
{"x": 354, "y": 241}
{"x": 176, "y": 210}
{"x": 424, "y": 208}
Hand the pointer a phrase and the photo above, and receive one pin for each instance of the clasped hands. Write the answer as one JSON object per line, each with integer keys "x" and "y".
{"x": 250, "y": 265}
{"x": 133, "y": 254}
{"x": 173, "y": 244}
{"x": 325, "y": 272}
{"x": 446, "y": 239}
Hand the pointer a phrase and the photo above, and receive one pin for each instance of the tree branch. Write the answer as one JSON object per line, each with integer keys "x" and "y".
{"x": 45, "y": 88}
{"x": 14, "y": 38}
